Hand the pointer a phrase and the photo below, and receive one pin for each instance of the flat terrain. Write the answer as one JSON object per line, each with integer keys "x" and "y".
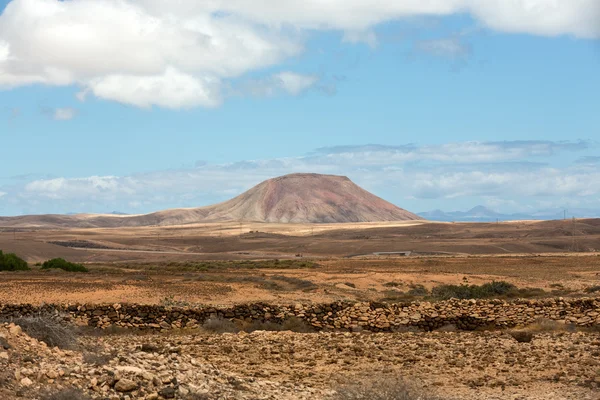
{"x": 232, "y": 263}
{"x": 262, "y": 240}
{"x": 301, "y": 280}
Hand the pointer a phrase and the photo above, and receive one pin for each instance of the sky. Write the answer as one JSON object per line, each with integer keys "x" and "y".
{"x": 142, "y": 105}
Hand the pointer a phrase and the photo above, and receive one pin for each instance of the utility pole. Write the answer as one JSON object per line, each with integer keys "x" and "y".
{"x": 573, "y": 246}
{"x": 565, "y": 217}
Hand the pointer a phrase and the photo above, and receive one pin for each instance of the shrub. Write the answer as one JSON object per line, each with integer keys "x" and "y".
{"x": 59, "y": 263}
{"x": 48, "y": 330}
{"x": 418, "y": 290}
{"x": 383, "y": 390}
{"x": 11, "y": 262}
{"x": 493, "y": 289}
{"x": 296, "y": 283}
{"x": 592, "y": 289}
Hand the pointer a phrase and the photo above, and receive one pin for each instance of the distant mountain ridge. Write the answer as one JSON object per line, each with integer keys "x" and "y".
{"x": 294, "y": 198}
{"x": 484, "y": 214}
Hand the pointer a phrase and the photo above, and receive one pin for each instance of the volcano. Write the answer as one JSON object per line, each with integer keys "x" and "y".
{"x": 294, "y": 198}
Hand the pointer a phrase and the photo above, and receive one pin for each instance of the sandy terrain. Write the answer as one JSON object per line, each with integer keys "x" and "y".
{"x": 260, "y": 240}
{"x": 303, "y": 263}
{"x": 330, "y": 280}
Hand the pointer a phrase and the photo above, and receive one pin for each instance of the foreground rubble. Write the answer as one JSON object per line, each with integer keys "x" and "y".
{"x": 286, "y": 365}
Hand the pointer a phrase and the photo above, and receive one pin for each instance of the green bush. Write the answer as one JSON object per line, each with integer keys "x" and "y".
{"x": 11, "y": 262}
{"x": 59, "y": 263}
{"x": 487, "y": 290}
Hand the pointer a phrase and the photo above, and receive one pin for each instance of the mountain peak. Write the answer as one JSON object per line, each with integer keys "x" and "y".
{"x": 309, "y": 197}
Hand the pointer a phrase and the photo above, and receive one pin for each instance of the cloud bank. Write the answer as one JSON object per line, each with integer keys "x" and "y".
{"x": 513, "y": 174}
{"x": 181, "y": 54}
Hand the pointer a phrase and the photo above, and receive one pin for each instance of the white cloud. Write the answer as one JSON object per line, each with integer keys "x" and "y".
{"x": 177, "y": 54}
{"x": 295, "y": 83}
{"x": 437, "y": 177}
{"x": 64, "y": 114}
{"x": 173, "y": 89}
{"x": 367, "y": 37}
{"x": 2, "y": 194}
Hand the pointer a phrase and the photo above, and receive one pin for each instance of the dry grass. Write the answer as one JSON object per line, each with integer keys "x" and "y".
{"x": 541, "y": 325}
{"x": 50, "y": 330}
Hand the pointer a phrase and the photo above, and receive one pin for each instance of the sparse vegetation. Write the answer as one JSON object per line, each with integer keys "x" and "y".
{"x": 418, "y": 290}
{"x": 60, "y": 263}
{"x": 49, "y": 330}
{"x": 592, "y": 289}
{"x": 487, "y": 290}
{"x": 245, "y": 264}
{"x": 383, "y": 390}
{"x": 296, "y": 283}
{"x": 494, "y": 289}
{"x": 11, "y": 262}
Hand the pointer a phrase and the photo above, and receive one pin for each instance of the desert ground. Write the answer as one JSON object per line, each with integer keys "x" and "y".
{"x": 220, "y": 265}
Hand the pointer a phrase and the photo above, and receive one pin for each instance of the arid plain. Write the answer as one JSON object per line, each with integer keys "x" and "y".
{"x": 228, "y": 264}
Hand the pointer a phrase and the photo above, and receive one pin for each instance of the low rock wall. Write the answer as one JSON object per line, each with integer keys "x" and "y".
{"x": 376, "y": 317}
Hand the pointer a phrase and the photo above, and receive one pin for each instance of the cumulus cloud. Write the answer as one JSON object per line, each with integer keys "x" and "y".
{"x": 64, "y": 114}
{"x": 420, "y": 173}
{"x": 179, "y": 54}
{"x": 463, "y": 152}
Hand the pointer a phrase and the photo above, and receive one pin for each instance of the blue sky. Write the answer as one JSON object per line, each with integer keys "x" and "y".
{"x": 441, "y": 104}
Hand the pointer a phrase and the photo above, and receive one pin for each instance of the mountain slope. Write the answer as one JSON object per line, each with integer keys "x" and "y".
{"x": 305, "y": 198}
{"x": 297, "y": 198}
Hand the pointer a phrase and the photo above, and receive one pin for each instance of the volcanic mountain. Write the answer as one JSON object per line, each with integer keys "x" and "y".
{"x": 295, "y": 198}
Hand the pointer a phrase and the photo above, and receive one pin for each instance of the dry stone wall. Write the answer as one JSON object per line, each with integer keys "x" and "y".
{"x": 376, "y": 317}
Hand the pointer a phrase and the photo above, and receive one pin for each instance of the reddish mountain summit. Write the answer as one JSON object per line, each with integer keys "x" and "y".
{"x": 303, "y": 198}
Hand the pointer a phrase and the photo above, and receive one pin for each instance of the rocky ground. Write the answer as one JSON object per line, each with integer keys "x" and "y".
{"x": 286, "y": 365}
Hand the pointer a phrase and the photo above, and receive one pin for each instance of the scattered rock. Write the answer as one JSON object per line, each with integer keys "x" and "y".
{"x": 26, "y": 382}
{"x": 168, "y": 392}
{"x": 522, "y": 336}
{"x": 125, "y": 385}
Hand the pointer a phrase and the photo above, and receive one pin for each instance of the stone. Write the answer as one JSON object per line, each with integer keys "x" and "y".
{"x": 26, "y": 382}
{"x": 52, "y": 374}
{"x": 15, "y": 330}
{"x": 168, "y": 392}
{"x": 127, "y": 368}
{"x": 125, "y": 385}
